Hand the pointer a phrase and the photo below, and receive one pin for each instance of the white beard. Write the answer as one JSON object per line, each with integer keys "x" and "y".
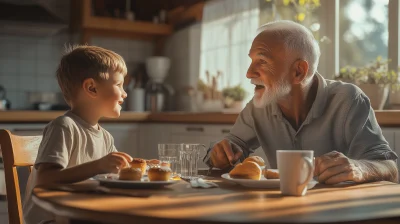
{"x": 271, "y": 95}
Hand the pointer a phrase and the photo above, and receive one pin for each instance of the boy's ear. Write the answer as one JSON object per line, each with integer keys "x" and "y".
{"x": 89, "y": 87}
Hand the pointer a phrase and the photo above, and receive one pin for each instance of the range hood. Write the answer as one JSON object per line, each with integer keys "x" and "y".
{"x": 33, "y": 17}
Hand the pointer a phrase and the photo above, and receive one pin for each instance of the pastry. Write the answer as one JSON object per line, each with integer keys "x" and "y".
{"x": 153, "y": 162}
{"x": 271, "y": 174}
{"x": 167, "y": 164}
{"x": 255, "y": 159}
{"x": 139, "y": 163}
{"x": 130, "y": 174}
{"x": 159, "y": 173}
{"x": 247, "y": 170}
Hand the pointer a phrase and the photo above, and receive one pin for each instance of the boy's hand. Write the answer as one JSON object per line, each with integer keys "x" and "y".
{"x": 113, "y": 162}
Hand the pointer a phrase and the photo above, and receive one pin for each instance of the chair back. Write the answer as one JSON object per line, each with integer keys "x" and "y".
{"x": 17, "y": 151}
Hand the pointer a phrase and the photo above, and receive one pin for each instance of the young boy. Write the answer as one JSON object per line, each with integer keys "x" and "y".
{"x": 74, "y": 146}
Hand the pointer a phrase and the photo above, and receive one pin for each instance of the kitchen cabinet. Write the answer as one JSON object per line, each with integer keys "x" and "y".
{"x": 126, "y": 137}
{"x": 149, "y": 137}
{"x": 392, "y": 136}
{"x": 202, "y": 134}
{"x": 91, "y": 20}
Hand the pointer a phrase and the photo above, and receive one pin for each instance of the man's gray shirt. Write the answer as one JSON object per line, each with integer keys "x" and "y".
{"x": 340, "y": 119}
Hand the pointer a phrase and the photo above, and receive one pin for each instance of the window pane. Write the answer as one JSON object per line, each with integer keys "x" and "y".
{"x": 304, "y": 12}
{"x": 363, "y": 26}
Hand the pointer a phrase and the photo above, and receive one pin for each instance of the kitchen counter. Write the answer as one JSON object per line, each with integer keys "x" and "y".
{"x": 24, "y": 116}
{"x": 386, "y": 118}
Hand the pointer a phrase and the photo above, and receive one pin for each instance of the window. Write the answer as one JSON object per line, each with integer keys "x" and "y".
{"x": 363, "y": 31}
{"x": 228, "y": 29}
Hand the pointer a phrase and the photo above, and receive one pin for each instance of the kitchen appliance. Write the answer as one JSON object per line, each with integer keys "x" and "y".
{"x": 158, "y": 94}
{"x": 5, "y": 104}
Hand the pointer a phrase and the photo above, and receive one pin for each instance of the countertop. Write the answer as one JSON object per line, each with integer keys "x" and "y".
{"x": 24, "y": 116}
{"x": 386, "y": 118}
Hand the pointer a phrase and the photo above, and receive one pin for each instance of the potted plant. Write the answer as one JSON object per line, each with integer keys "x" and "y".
{"x": 374, "y": 79}
{"x": 233, "y": 97}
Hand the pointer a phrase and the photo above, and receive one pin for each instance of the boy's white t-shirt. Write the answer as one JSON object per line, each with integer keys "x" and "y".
{"x": 68, "y": 141}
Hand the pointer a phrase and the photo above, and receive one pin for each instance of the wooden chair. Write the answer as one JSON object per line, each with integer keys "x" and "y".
{"x": 17, "y": 151}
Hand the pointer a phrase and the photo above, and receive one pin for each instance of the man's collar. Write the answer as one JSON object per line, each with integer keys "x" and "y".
{"x": 318, "y": 107}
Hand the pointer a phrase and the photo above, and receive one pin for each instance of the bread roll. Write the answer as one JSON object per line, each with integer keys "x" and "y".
{"x": 153, "y": 162}
{"x": 271, "y": 174}
{"x": 130, "y": 174}
{"x": 255, "y": 159}
{"x": 159, "y": 173}
{"x": 139, "y": 163}
{"x": 246, "y": 170}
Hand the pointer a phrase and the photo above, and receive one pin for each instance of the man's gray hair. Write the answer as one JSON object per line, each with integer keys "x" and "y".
{"x": 297, "y": 39}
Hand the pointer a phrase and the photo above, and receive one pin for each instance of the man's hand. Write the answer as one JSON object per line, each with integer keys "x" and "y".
{"x": 334, "y": 167}
{"x": 222, "y": 155}
{"x": 113, "y": 162}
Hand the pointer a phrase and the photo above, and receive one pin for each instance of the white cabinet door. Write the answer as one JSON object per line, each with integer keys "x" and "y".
{"x": 199, "y": 134}
{"x": 26, "y": 129}
{"x": 126, "y": 137}
{"x": 396, "y": 147}
{"x": 150, "y": 136}
{"x": 389, "y": 134}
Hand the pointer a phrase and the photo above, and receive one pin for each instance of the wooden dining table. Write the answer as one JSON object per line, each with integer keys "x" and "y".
{"x": 377, "y": 202}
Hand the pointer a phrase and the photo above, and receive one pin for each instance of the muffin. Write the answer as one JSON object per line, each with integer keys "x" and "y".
{"x": 166, "y": 164}
{"x": 271, "y": 174}
{"x": 159, "y": 173}
{"x": 255, "y": 159}
{"x": 139, "y": 163}
{"x": 130, "y": 174}
{"x": 246, "y": 170}
{"x": 153, "y": 162}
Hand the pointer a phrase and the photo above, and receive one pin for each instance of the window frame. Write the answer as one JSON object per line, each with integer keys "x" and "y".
{"x": 329, "y": 20}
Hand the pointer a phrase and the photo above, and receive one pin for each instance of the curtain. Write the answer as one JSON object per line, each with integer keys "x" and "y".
{"x": 228, "y": 29}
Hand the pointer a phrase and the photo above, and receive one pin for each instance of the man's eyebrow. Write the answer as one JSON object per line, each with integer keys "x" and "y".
{"x": 264, "y": 54}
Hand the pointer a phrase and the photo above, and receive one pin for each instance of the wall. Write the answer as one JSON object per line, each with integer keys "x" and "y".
{"x": 183, "y": 48}
{"x": 29, "y": 63}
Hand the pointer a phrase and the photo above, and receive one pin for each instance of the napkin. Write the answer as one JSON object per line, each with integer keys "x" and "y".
{"x": 201, "y": 183}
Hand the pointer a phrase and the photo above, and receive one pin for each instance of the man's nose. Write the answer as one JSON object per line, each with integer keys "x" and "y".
{"x": 251, "y": 73}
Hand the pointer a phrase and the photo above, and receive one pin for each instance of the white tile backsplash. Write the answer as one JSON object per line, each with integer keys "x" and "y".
{"x": 30, "y": 63}
{"x": 27, "y": 82}
{"x": 26, "y": 67}
{"x": 8, "y": 50}
{"x": 8, "y": 66}
{"x": 27, "y": 51}
{"x": 9, "y": 82}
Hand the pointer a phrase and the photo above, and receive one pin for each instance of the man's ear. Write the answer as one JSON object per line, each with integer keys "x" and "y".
{"x": 301, "y": 70}
{"x": 89, "y": 87}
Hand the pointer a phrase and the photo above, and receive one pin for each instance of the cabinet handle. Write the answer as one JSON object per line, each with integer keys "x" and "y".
{"x": 27, "y": 129}
{"x": 195, "y": 129}
{"x": 225, "y": 131}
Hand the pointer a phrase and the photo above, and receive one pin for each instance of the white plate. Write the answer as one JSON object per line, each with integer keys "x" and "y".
{"x": 111, "y": 180}
{"x": 261, "y": 184}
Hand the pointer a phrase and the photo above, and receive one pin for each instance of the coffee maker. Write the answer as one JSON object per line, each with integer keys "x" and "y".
{"x": 158, "y": 94}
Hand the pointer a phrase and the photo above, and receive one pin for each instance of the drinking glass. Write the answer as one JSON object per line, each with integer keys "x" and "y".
{"x": 189, "y": 157}
{"x": 169, "y": 153}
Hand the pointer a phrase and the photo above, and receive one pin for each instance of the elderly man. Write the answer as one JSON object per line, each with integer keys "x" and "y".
{"x": 294, "y": 107}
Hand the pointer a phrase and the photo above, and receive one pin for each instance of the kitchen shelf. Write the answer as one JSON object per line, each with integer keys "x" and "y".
{"x": 133, "y": 27}
{"x": 90, "y": 26}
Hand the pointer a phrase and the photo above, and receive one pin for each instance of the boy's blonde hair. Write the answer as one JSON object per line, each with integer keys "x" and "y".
{"x": 83, "y": 62}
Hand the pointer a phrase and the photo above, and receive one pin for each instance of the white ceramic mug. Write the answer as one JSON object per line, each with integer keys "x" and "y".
{"x": 296, "y": 169}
